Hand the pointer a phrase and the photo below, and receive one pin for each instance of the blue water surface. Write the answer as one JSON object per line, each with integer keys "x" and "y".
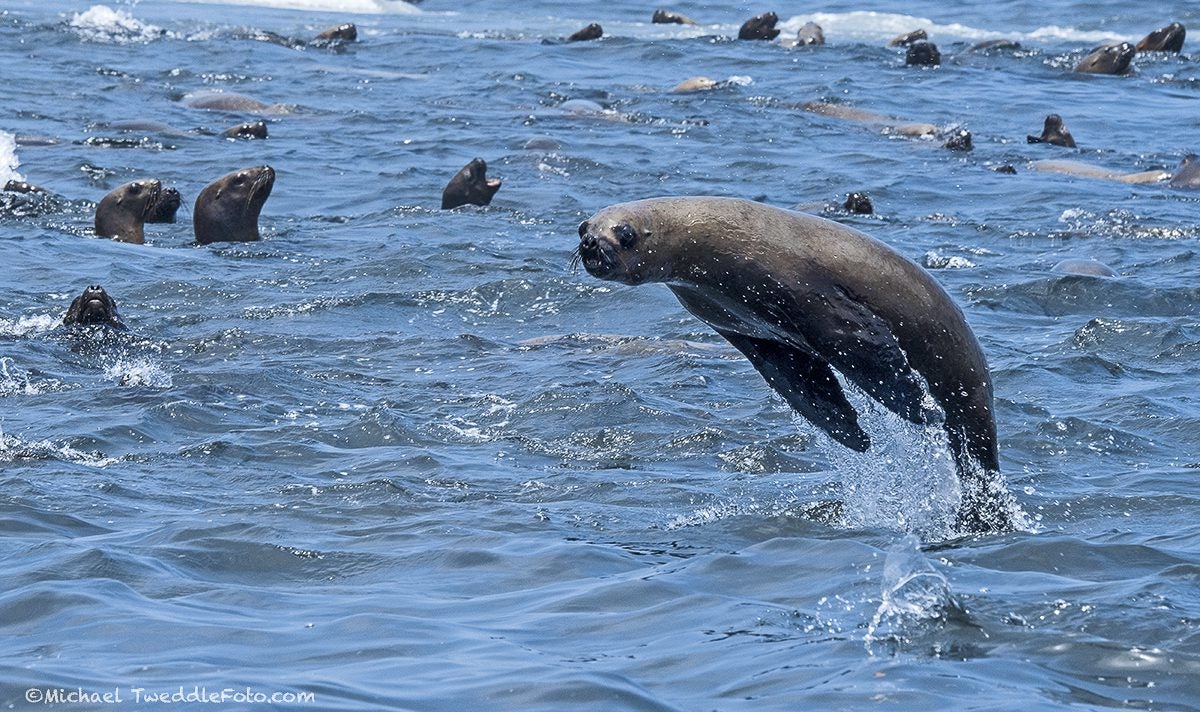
{"x": 398, "y": 457}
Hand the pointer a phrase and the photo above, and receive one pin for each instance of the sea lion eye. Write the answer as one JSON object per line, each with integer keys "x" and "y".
{"x": 241, "y": 178}
{"x": 583, "y": 228}
{"x": 626, "y": 235}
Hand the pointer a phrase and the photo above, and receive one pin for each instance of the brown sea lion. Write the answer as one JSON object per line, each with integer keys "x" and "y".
{"x": 908, "y": 38}
{"x": 211, "y": 100}
{"x": 227, "y": 209}
{"x": 346, "y": 32}
{"x": 93, "y": 306}
{"x": 858, "y": 203}
{"x": 1164, "y": 39}
{"x": 249, "y": 129}
{"x": 122, "y": 213}
{"x": 1054, "y": 132}
{"x": 592, "y": 32}
{"x": 662, "y": 17}
{"x": 1115, "y": 58}
{"x": 922, "y": 53}
{"x": 759, "y": 27}
{"x": 470, "y": 186}
{"x": 164, "y": 207}
{"x": 805, "y": 299}
{"x": 1087, "y": 170}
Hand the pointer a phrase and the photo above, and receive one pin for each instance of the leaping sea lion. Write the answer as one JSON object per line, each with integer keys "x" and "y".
{"x": 802, "y": 298}
{"x": 93, "y": 306}
{"x": 227, "y": 209}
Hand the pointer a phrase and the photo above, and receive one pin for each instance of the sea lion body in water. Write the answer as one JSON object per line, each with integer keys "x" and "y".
{"x": 249, "y": 129}
{"x": 470, "y": 186}
{"x": 1187, "y": 175}
{"x": 93, "y": 306}
{"x": 592, "y": 32}
{"x": 122, "y": 213}
{"x": 801, "y": 297}
{"x": 1087, "y": 170}
{"x": 662, "y": 17}
{"x": 1114, "y": 58}
{"x": 227, "y": 209}
{"x": 1164, "y": 39}
{"x": 1054, "y": 132}
{"x": 210, "y": 100}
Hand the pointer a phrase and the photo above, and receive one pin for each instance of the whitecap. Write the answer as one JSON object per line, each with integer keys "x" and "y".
{"x": 101, "y": 23}
{"x": 8, "y": 159}
{"x": 358, "y": 7}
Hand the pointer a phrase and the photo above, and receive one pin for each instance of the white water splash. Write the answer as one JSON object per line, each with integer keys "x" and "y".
{"x": 8, "y": 159}
{"x": 14, "y": 448}
{"x": 137, "y": 372}
{"x": 26, "y": 325}
{"x": 357, "y": 7}
{"x": 874, "y": 27}
{"x": 101, "y": 23}
{"x": 914, "y": 593}
{"x": 16, "y": 381}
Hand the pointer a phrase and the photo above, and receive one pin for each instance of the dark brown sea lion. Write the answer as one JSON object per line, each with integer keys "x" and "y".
{"x": 346, "y": 32}
{"x": 922, "y": 53}
{"x": 802, "y": 297}
{"x": 1187, "y": 175}
{"x": 93, "y": 306}
{"x": 1055, "y": 132}
{"x": 1164, "y": 39}
{"x": 909, "y": 38}
{"x": 988, "y": 45}
{"x": 1113, "y": 58}
{"x": 858, "y": 203}
{"x": 122, "y": 213}
{"x": 959, "y": 140}
{"x": 20, "y": 186}
{"x": 759, "y": 27}
{"x": 662, "y": 17}
{"x": 227, "y": 209}
{"x": 164, "y": 207}
{"x": 470, "y": 186}
{"x": 250, "y": 129}
{"x": 592, "y": 32}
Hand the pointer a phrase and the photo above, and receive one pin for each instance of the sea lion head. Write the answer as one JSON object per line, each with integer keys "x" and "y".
{"x": 760, "y": 27}
{"x": 620, "y": 243}
{"x": 470, "y": 185}
{"x": 227, "y": 209}
{"x": 164, "y": 206}
{"x": 122, "y": 213}
{"x": 1164, "y": 39}
{"x": 93, "y": 306}
{"x": 1108, "y": 59}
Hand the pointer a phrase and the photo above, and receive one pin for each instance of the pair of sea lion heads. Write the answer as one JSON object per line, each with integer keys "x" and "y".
{"x": 227, "y": 210}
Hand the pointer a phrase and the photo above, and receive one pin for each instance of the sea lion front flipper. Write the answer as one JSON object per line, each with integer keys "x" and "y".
{"x": 862, "y": 347}
{"x": 807, "y": 383}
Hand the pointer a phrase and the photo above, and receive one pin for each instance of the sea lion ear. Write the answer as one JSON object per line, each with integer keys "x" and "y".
{"x": 583, "y": 227}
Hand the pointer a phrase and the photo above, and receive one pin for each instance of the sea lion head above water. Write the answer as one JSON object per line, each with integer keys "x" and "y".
{"x": 93, "y": 306}
{"x": 164, "y": 207}
{"x": 663, "y": 17}
{"x": 759, "y": 27}
{"x": 122, "y": 213}
{"x": 470, "y": 186}
{"x": 922, "y": 53}
{"x": 1164, "y": 39}
{"x": 227, "y": 209}
{"x": 1054, "y": 132}
{"x": 346, "y": 32}
{"x": 1115, "y": 58}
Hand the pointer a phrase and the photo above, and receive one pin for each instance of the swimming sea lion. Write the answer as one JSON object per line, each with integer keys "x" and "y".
{"x": 1187, "y": 175}
{"x": 801, "y": 297}
{"x": 93, "y": 306}
{"x": 346, "y": 32}
{"x": 858, "y": 203}
{"x": 1114, "y": 58}
{"x": 1087, "y": 170}
{"x": 810, "y": 34}
{"x": 1055, "y": 132}
{"x": 1083, "y": 266}
{"x": 908, "y": 38}
{"x": 227, "y": 209}
{"x": 122, "y": 213}
{"x": 1164, "y": 39}
{"x": 695, "y": 84}
{"x": 212, "y": 100}
{"x": 959, "y": 140}
{"x": 662, "y": 17}
{"x": 592, "y": 32}
{"x": 922, "y": 53}
{"x": 250, "y": 129}
{"x": 470, "y": 185}
{"x": 988, "y": 45}
{"x": 759, "y": 27}
{"x": 164, "y": 206}
{"x": 20, "y": 186}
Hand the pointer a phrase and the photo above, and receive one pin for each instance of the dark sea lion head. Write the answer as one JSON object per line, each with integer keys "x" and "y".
{"x": 859, "y": 204}
{"x": 346, "y": 32}
{"x": 470, "y": 186}
{"x": 620, "y": 244}
{"x": 592, "y": 32}
{"x": 959, "y": 140}
{"x": 759, "y": 27}
{"x": 1164, "y": 39}
{"x": 922, "y": 53}
{"x": 227, "y": 209}
{"x": 164, "y": 206}
{"x": 1187, "y": 175}
{"x": 250, "y": 129}
{"x": 1113, "y": 58}
{"x": 1054, "y": 132}
{"x": 122, "y": 213}
{"x": 93, "y": 306}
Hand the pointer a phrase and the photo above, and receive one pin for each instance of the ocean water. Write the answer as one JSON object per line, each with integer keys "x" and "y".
{"x": 395, "y": 457}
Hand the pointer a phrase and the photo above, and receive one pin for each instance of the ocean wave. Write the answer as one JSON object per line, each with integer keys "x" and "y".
{"x": 8, "y": 159}
{"x": 101, "y": 23}
{"x": 357, "y": 7}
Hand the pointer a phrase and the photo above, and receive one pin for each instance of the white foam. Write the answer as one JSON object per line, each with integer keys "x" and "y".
{"x": 14, "y": 448}
{"x": 26, "y": 325}
{"x": 357, "y": 7}
{"x": 865, "y": 26}
{"x": 137, "y": 372}
{"x": 8, "y": 158}
{"x": 101, "y": 23}
{"x": 913, "y": 592}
